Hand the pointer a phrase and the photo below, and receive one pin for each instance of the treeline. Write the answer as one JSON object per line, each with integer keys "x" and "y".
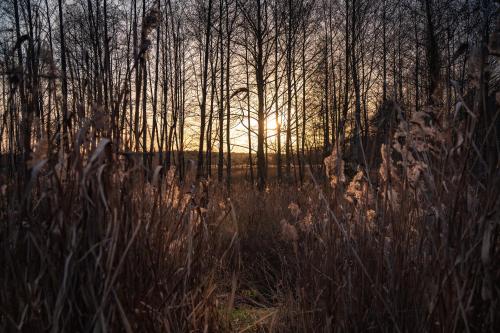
{"x": 173, "y": 75}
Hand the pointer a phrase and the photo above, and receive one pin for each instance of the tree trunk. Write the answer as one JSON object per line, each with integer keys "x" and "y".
{"x": 228, "y": 100}
{"x": 203, "y": 104}
{"x": 259, "y": 76}
{"x": 276, "y": 93}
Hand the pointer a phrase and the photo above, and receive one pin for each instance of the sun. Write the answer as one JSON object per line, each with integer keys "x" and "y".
{"x": 239, "y": 133}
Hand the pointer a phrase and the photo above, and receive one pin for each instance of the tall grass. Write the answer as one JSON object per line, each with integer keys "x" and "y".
{"x": 91, "y": 245}
{"x": 412, "y": 247}
{"x": 92, "y": 242}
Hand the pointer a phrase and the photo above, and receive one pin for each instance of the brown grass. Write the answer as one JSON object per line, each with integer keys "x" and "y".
{"x": 90, "y": 243}
{"x": 100, "y": 249}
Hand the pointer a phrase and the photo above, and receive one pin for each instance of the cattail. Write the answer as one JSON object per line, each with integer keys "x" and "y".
{"x": 306, "y": 223}
{"x": 334, "y": 167}
{"x": 383, "y": 170}
{"x": 355, "y": 189}
{"x": 370, "y": 215}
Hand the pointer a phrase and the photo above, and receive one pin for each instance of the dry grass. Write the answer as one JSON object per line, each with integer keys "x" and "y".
{"x": 93, "y": 242}
{"x": 413, "y": 247}
{"x": 92, "y": 245}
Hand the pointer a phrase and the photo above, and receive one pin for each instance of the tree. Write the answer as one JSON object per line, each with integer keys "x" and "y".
{"x": 203, "y": 103}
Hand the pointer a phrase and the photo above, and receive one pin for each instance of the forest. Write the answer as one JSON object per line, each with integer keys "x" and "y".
{"x": 249, "y": 166}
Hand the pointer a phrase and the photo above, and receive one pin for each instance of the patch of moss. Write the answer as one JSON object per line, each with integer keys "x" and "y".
{"x": 241, "y": 316}
{"x": 250, "y": 293}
